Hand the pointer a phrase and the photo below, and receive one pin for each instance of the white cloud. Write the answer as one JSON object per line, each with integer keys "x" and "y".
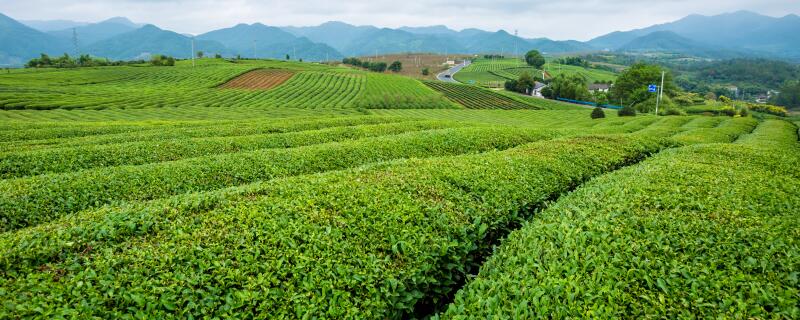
{"x": 566, "y": 19}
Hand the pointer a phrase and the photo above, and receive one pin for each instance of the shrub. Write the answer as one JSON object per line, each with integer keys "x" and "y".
{"x": 769, "y": 109}
{"x": 426, "y": 71}
{"x": 743, "y": 112}
{"x": 728, "y": 111}
{"x": 598, "y": 113}
{"x": 627, "y": 111}
{"x": 673, "y": 112}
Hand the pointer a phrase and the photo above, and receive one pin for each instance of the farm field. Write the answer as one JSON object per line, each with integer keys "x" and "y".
{"x": 494, "y": 72}
{"x": 265, "y": 189}
{"x": 473, "y": 97}
{"x": 413, "y": 63}
{"x": 243, "y": 85}
{"x": 591, "y": 75}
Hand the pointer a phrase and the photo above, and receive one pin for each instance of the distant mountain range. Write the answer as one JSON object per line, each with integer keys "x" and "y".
{"x": 739, "y": 34}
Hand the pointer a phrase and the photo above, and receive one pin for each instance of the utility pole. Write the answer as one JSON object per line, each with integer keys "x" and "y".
{"x": 193, "y": 52}
{"x": 660, "y": 91}
{"x": 255, "y": 53}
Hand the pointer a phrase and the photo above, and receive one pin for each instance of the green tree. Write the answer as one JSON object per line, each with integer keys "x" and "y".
{"x": 571, "y": 86}
{"x": 200, "y": 54}
{"x": 396, "y": 66}
{"x": 288, "y": 57}
{"x": 426, "y": 71}
{"x": 789, "y": 96}
{"x": 377, "y": 66}
{"x": 631, "y": 85}
{"x": 525, "y": 83}
{"x": 534, "y": 58}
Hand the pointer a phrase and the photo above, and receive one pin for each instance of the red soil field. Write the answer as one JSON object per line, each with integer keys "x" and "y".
{"x": 261, "y": 79}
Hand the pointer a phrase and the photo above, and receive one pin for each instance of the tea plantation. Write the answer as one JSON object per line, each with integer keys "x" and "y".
{"x": 281, "y": 190}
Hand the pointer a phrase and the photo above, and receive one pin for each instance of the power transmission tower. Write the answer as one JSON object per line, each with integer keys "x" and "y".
{"x": 75, "y": 41}
{"x": 193, "y": 53}
{"x": 516, "y": 43}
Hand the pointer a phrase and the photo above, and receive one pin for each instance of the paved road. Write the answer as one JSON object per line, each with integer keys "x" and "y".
{"x": 452, "y": 71}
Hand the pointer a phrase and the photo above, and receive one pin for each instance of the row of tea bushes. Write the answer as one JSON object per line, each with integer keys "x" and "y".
{"x": 705, "y": 231}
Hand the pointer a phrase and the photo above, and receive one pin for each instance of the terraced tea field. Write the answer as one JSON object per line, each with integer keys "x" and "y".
{"x": 477, "y": 98}
{"x": 219, "y": 83}
{"x": 341, "y": 194}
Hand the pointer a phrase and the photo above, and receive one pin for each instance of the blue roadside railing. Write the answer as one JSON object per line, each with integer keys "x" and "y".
{"x": 587, "y": 103}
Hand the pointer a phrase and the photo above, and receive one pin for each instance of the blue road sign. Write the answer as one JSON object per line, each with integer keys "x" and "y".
{"x": 652, "y": 88}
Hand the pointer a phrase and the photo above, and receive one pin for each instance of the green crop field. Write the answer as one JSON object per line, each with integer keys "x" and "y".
{"x": 308, "y": 191}
{"x": 494, "y": 72}
{"x": 591, "y": 75}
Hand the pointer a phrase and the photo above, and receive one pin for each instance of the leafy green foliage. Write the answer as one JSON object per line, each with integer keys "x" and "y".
{"x": 598, "y": 113}
{"x": 68, "y": 159}
{"x": 631, "y": 85}
{"x": 568, "y": 86}
{"x": 789, "y": 95}
{"x": 368, "y": 243}
{"x": 396, "y": 66}
{"x": 534, "y": 59}
{"x": 773, "y": 110}
{"x": 164, "y": 61}
{"x": 701, "y": 231}
{"x": 31, "y": 200}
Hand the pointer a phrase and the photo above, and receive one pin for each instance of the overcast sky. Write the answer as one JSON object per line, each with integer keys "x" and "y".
{"x": 556, "y": 19}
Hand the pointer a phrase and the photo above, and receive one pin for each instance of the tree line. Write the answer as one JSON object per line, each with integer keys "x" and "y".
{"x": 395, "y": 66}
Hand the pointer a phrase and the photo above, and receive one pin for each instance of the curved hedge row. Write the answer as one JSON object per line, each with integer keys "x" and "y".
{"x": 705, "y": 231}
{"x": 726, "y": 131}
{"x": 29, "y": 201}
{"x": 368, "y": 243}
{"x": 202, "y": 129}
{"x": 62, "y": 160}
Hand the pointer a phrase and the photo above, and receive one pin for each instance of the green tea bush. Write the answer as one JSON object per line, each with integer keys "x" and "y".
{"x": 31, "y": 200}
{"x": 705, "y": 231}
{"x": 627, "y": 111}
{"x": 598, "y": 113}
{"x": 365, "y": 243}
{"x": 61, "y": 160}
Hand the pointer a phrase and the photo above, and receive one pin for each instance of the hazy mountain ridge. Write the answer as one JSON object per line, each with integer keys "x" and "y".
{"x": 738, "y": 34}
{"x": 269, "y": 42}
{"x": 743, "y": 32}
{"x": 149, "y": 40}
